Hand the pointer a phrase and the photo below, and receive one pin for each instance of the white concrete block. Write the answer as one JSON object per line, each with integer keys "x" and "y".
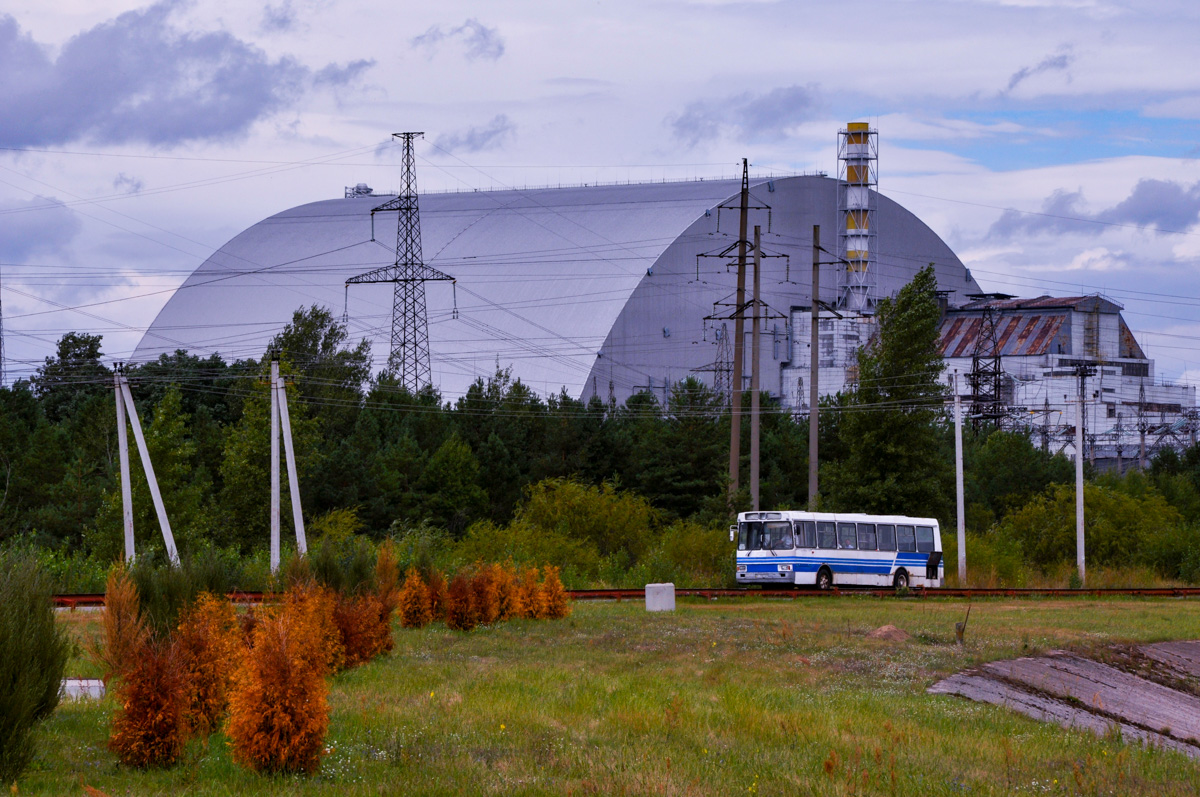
{"x": 660, "y": 597}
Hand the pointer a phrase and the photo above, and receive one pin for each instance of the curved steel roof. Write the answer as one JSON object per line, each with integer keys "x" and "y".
{"x": 573, "y": 287}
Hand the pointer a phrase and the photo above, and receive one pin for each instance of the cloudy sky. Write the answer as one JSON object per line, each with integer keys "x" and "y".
{"x": 1054, "y": 144}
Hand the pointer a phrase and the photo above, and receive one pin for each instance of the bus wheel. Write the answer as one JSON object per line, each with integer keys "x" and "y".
{"x": 901, "y": 580}
{"x": 824, "y": 578}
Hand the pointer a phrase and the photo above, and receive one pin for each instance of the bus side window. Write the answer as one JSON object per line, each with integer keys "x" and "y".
{"x": 905, "y": 539}
{"x": 826, "y": 535}
{"x": 887, "y": 537}
{"x": 866, "y": 537}
{"x": 806, "y": 534}
{"x": 847, "y": 538}
{"x": 925, "y": 539}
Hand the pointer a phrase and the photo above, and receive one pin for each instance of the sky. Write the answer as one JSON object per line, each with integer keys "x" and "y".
{"x": 1055, "y": 146}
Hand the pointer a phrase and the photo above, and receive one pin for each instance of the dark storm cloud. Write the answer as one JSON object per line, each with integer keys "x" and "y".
{"x": 138, "y": 78}
{"x": 38, "y": 226}
{"x": 753, "y": 117}
{"x": 475, "y": 139}
{"x": 1161, "y": 204}
{"x": 478, "y": 40}
{"x": 1059, "y": 62}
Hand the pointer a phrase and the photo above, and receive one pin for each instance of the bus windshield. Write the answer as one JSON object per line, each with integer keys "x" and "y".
{"x": 770, "y": 536}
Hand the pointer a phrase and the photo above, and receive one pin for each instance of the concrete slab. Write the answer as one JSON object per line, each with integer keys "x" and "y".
{"x": 82, "y": 689}
{"x": 660, "y": 597}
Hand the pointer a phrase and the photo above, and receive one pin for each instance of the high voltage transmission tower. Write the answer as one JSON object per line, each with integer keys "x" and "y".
{"x": 408, "y": 357}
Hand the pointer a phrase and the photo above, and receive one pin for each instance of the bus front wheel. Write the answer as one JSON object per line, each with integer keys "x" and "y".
{"x": 901, "y": 580}
{"x": 824, "y": 578}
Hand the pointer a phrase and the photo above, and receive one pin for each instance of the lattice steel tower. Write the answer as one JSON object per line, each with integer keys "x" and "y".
{"x": 408, "y": 358}
{"x": 858, "y": 183}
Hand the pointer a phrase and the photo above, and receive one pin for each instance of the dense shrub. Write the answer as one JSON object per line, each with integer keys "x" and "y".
{"x": 557, "y": 602}
{"x": 279, "y": 711}
{"x": 508, "y": 593}
{"x": 125, "y": 631}
{"x": 460, "y": 613}
{"x": 485, "y": 594}
{"x": 344, "y": 564}
{"x": 414, "y": 601}
{"x": 363, "y": 627}
{"x": 148, "y": 727}
{"x": 310, "y": 611}
{"x": 209, "y": 643}
{"x": 33, "y": 655}
{"x": 437, "y": 595}
{"x": 532, "y": 596}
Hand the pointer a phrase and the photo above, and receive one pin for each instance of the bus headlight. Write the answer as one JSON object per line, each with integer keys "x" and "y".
{"x": 785, "y": 568}
{"x": 741, "y": 568}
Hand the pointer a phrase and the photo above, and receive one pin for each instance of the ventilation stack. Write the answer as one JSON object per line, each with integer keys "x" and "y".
{"x": 858, "y": 183}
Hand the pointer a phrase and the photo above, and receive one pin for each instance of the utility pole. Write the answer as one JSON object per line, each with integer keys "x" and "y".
{"x": 814, "y": 361}
{"x": 958, "y": 487}
{"x": 1082, "y": 371}
{"x": 125, "y": 405}
{"x": 293, "y": 477}
{"x": 408, "y": 357}
{"x": 754, "y": 398}
{"x": 274, "y": 464}
{"x": 1142, "y": 426}
{"x": 739, "y": 332}
{"x": 123, "y": 449}
{"x": 2, "y": 372}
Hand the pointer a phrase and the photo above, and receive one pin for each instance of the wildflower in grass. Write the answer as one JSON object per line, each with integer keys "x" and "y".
{"x": 414, "y": 601}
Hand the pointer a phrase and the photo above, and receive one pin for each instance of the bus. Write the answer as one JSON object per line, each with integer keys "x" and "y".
{"x": 824, "y": 550}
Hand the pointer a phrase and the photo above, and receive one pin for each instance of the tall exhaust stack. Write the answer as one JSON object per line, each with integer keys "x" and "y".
{"x": 858, "y": 184}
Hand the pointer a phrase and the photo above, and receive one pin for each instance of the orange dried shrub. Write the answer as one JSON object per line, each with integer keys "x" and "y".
{"x": 314, "y": 608}
{"x": 414, "y": 601}
{"x": 362, "y": 634}
{"x": 554, "y": 595}
{"x": 437, "y": 595}
{"x": 148, "y": 728}
{"x": 460, "y": 614}
{"x": 387, "y": 586}
{"x": 486, "y": 595}
{"x": 508, "y": 592}
{"x": 278, "y": 707}
{"x": 125, "y": 631}
{"x": 209, "y": 642}
{"x": 533, "y": 598}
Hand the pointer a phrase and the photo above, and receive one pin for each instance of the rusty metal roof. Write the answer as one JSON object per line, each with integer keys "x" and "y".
{"x": 1016, "y": 334}
{"x": 1081, "y": 303}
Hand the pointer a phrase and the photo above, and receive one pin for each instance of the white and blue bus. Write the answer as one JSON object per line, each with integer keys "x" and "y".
{"x": 825, "y": 549}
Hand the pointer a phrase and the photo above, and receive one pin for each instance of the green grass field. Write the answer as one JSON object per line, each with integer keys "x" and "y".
{"x": 734, "y": 696}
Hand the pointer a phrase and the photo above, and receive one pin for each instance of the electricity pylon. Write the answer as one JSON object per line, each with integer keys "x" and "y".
{"x": 408, "y": 357}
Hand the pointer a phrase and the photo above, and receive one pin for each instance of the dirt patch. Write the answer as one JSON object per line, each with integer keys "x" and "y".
{"x": 889, "y": 633}
{"x": 1110, "y": 691}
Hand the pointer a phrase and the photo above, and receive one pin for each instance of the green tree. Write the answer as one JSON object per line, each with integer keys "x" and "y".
{"x": 1004, "y": 471}
{"x": 450, "y": 487}
{"x": 892, "y": 426}
{"x": 65, "y": 380}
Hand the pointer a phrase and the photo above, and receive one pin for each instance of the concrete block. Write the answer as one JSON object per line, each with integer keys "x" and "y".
{"x": 660, "y": 597}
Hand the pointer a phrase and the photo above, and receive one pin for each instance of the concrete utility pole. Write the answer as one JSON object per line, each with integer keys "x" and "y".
{"x": 274, "y": 465}
{"x": 958, "y": 487}
{"x": 754, "y": 399}
{"x": 123, "y": 449}
{"x": 814, "y": 362}
{"x": 1082, "y": 371}
{"x": 739, "y": 332}
{"x": 293, "y": 478}
{"x": 148, "y": 468}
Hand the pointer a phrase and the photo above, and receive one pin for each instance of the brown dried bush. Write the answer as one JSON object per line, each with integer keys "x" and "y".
{"x": 485, "y": 594}
{"x": 533, "y": 598}
{"x": 414, "y": 601}
{"x": 508, "y": 593}
{"x": 279, "y": 712}
{"x": 363, "y": 632}
{"x": 460, "y": 614}
{"x": 209, "y": 643}
{"x": 437, "y": 595}
{"x": 125, "y": 632}
{"x": 314, "y": 607}
{"x": 387, "y": 586}
{"x": 554, "y": 595}
{"x": 148, "y": 727}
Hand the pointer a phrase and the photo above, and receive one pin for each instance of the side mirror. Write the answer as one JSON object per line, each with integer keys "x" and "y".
{"x": 732, "y": 533}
